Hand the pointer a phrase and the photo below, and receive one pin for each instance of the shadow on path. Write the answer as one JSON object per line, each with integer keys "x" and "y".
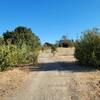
{"x": 62, "y": 66}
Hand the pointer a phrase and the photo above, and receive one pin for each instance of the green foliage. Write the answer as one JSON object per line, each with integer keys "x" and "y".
{"x": 47, "y": 45}
{"x": 87, "y": 49}
{"x": 65, "y": 42}
{"x": 21, "y": 46}
{"x": 22, "y": 35}
{"x": 33, "y": 57}
{"x": 8, "y": 56}
{"x": 1, "y": 40}
{"x": 11, "y": 56}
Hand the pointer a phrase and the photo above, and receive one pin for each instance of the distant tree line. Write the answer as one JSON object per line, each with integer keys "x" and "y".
{"x": 65, "y": 42}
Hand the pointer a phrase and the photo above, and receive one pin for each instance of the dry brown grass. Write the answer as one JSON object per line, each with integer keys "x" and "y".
{"x": 86, "y": 85}
{"x": 10, "y": 81}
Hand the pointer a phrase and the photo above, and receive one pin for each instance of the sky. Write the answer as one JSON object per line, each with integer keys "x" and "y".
{"x": 50, "y": 19}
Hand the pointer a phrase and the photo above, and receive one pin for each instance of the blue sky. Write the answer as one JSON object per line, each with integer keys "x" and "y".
{"x": 50, "y": 19}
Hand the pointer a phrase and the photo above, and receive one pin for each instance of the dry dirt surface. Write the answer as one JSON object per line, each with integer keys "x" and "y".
{"x": 10, "y": 81}
{"x": 59, "y": 78}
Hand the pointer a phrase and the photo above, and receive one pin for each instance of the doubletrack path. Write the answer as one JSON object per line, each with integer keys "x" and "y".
{"x": 54, "y": 82}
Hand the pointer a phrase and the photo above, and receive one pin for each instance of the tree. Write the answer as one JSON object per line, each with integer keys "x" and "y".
{"x": 22, "y": 35}
{"x": 65, "y": 42}
{"x": 64, "y": 37}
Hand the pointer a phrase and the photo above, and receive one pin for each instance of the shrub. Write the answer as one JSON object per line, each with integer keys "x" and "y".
{"x": 51, "y": 46}
{"x": 1, "y": 40}
{"x": 33, "y": 57}
{"x": 20, "y": 46}
{"x": 65, "y": 42}
{"x": 22, "y": 54}
{"x": 11, "y": 56}
{"x": 87, "y": 49}
{"x": 8, "y": 56}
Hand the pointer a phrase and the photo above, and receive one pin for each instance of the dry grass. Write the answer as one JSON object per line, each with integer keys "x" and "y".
{"x": 10, "y": 81}
{"x": 86, "y": 85}
{"x": 83, "y": 85}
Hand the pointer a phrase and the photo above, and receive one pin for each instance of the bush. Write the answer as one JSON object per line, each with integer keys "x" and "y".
{"x": 1, "y": 40}
{"x": 87, "y": 49}
{"x": 8, "y": 56}
{"x": 11, "y": 56}
{"x": 20, "y": 46}
{"x": 51, "y": 46}
{"x": 65, "y": 42}
{"x": 33, "y": 57}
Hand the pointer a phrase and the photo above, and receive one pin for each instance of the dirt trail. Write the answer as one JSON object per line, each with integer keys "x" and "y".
{"x": 54, "y": 82}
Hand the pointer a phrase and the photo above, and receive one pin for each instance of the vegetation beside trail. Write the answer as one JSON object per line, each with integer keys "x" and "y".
{"x": 47, "y": 46}
{"x": 20, "y": 46}
{"x": 87, "y": 49}
{"x": 64, "y": 42}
